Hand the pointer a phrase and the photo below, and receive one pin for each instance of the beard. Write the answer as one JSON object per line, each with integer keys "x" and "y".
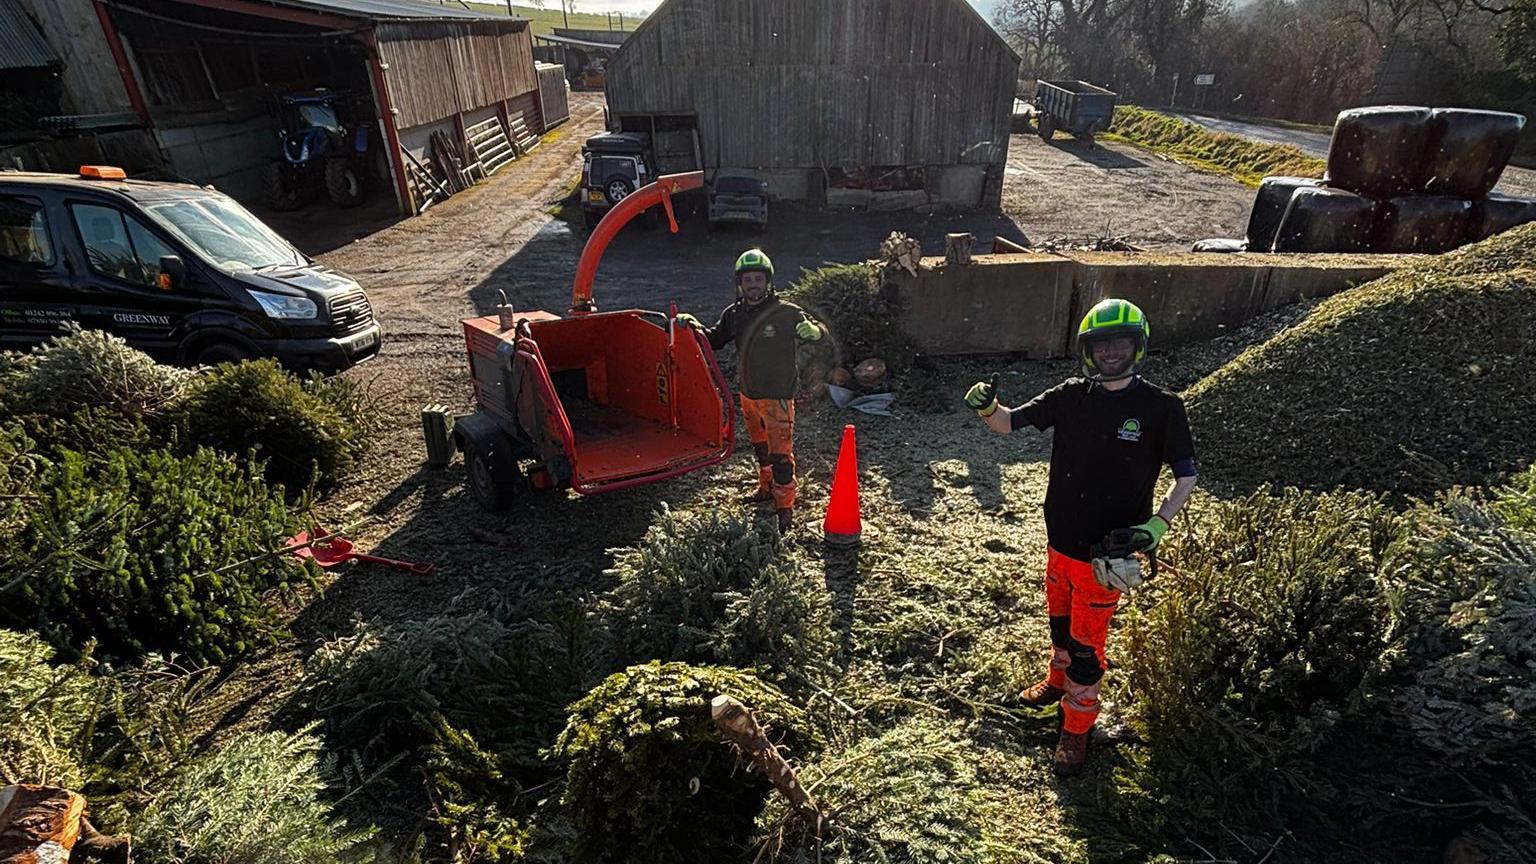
{"x": 1114, "y": 368}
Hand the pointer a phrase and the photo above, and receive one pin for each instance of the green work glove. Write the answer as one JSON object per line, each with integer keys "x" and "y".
{"x": 689, "y": 321}
{"x": 1157, "y": 526}
{"x": 808, "y": 331}
{"x": 982, "y": 397}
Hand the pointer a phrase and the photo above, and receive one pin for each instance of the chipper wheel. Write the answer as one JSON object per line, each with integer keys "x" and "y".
{"x": 491, "y": 492}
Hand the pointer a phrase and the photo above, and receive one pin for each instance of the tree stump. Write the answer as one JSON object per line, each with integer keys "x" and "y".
{"x": 957, "y": 248}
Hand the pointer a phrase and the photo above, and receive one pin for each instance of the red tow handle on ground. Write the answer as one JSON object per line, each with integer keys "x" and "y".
{"x": 331, "y": 550}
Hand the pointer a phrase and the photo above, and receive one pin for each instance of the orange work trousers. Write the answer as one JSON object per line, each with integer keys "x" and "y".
{"x": 771, "y": 426}
{"x": 1079, "y": 609}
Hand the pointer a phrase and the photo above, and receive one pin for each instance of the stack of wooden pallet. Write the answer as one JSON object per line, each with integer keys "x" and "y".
{"x": 489, "y": 141}
{"x": 449, "y": 168}
{"x": 521, "y": 136}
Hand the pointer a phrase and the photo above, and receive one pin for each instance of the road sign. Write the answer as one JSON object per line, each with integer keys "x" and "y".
{"x": 1204, "y": 80}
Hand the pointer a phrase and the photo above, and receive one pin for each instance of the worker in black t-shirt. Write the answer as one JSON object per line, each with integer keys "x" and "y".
{"x": 766, "y": 331}
{"x": 1113, "y": 433}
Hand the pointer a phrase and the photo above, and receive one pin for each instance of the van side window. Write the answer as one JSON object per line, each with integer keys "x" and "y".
{"x": 24, "y": 231}
{"x": 118, "y": 245}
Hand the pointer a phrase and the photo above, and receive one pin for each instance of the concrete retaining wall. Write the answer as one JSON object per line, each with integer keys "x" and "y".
{"x": 952, "y": 187}
{"x": 1031, "y": 303}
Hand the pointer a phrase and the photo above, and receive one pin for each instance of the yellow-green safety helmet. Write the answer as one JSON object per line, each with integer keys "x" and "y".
{"x": 1108, "y": 319}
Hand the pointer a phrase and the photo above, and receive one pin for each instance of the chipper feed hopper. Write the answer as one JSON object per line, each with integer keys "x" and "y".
{"x": 598, "y": 401}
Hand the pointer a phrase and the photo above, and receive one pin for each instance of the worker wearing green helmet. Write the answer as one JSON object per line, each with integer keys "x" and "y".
{"x": 766, "y": 331}
{"x": 1113, "y": 433}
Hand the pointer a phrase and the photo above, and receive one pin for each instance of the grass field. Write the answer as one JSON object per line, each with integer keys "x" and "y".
{"x": 1191, "y": 144}
{"x": 546, "y": 20}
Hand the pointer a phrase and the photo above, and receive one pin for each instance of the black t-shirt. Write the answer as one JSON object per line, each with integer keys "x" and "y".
{"x": 1107, "y": 451}
{"x": 765, "y": 345}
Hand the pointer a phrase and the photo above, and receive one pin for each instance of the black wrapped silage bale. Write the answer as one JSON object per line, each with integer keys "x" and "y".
{"x": 1378, "y": 151}
{"x": 1467, "y": 150}
{"x": 1269, "y": 207}
{"x": 1425, "y": 224}
{"x": 1495, "y": 213}
{"x": 1326, "y": 220}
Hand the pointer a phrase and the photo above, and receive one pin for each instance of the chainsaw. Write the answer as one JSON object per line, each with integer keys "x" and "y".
{"x": 1115, "y": 564}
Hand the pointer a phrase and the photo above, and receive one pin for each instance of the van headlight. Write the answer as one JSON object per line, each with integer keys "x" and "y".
{"x": 283, "y": 305}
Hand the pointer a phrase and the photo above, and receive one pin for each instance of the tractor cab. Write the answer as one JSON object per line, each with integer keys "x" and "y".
{"x": 327, "y": 142}
{"x": 311, "y": 125}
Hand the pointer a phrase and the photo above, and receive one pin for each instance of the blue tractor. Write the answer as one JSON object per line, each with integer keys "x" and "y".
{"x": 323, "y": 146}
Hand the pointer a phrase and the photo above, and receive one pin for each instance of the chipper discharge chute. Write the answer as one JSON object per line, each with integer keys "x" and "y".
{"x": 598, "y": 401}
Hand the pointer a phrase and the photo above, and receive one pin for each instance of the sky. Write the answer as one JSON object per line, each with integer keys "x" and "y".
{"x": 631, "y": 6}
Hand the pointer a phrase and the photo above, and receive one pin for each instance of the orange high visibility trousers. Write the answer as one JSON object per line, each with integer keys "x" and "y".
{"x": 771, "y": 426}
{"x": 1079, "y": 609}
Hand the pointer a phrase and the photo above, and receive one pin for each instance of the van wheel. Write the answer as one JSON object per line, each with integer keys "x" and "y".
{"x": 221, "y": 352}
{"x": 343, "y": 183}
{"x": 490, "y": 493}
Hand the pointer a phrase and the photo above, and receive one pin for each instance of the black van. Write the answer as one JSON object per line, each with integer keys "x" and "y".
{"x": 181, "y": 272}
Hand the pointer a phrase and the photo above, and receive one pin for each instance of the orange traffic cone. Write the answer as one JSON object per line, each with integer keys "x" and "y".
{"x": 842, "y": 525}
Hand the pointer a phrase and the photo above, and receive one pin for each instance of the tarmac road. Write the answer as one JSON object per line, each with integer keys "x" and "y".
{"x": 1516, "y": 181}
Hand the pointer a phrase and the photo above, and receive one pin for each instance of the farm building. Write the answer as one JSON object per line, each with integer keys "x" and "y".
{"x": 583, "y": 53}
{"x": 902, "y": 102}
{"x": 216, "y": 81}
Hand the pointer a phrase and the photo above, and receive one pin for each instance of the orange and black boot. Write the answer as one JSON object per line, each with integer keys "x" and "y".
{"x": 764, "y": 492}
{"x": 1071, "y": 753}
{"x": 786, "y": 520}
{"x": 1040, "y": 694}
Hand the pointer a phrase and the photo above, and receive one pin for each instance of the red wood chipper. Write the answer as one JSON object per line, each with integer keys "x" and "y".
{"x": 598, "y": 401}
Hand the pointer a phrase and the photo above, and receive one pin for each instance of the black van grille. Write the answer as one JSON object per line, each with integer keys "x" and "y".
{"x": 350, "y": 313}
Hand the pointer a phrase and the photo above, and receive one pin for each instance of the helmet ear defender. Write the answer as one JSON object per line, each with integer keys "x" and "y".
{"x": 1109, "y": 319}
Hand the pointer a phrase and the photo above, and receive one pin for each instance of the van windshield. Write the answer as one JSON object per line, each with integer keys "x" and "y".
{"x": 224, "y": 233}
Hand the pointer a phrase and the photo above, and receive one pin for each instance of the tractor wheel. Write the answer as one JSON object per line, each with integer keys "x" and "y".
{"x": 282, "y": 192}
{"x": 1046, "y": 126}
{"x": 343, "y": 182}
{"x": 491, "y": 494}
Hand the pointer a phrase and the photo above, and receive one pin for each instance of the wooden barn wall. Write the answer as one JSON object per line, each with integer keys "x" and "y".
{"x": 438, "y": 68}
{"x": 92, "y": 84}
{"x": 804, "y": 83}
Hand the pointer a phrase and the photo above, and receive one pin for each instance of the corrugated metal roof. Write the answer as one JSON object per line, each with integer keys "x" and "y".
{"x": 389, "y": 9}
{"x": 579, "y": 43}
{"x": 21, "y": 46}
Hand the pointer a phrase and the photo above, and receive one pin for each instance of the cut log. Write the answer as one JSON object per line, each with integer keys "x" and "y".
{"x": 38, "y": 824}
{"x": 45, "y": 825}
{"x": 739, "y": 727}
